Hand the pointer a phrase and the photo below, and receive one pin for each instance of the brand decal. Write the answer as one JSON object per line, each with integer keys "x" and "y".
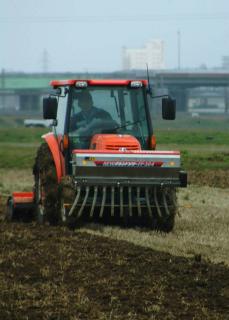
{"x": 128, "y": 163}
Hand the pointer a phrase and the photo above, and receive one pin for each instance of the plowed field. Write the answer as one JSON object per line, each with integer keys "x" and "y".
{"x": 54, "y": 273}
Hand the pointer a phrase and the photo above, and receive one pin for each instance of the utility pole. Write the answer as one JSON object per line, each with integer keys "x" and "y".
{"x": 178, "y": 50}
{"x": 45, "y": 61}
{"x": 2, "y": 103}
{"x": 3, "y": 79}
{"x": 226, "y": 99}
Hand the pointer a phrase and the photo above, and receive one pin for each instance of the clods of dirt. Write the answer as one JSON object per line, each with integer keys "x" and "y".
{"x": 55, "y": 273}
{"x": 211, "y": 178}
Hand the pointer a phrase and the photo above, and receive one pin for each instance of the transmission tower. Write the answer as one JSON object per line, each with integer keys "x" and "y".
{"x": 45, "y": 61}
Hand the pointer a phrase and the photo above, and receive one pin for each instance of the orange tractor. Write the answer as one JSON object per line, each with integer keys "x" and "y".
{"x": 99, "y": 163}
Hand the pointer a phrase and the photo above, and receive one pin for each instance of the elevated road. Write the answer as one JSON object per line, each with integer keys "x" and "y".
{"x": 192, "y": 79}
{"x": 27, "y": 89}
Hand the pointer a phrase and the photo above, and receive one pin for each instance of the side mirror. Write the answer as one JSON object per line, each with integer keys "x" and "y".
{"x": 50, "y": 108}
{"x": 168, "y": 108}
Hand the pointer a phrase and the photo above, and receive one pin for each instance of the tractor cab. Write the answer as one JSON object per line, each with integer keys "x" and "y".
{"x": 113, "y": 111}
{"x": 108, "y": 110}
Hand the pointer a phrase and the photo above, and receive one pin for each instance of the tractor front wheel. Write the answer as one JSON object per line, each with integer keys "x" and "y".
{"x": 46, "y": 187}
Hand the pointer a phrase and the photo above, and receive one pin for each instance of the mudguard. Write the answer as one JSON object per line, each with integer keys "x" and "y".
{"x": 54, "y": 146}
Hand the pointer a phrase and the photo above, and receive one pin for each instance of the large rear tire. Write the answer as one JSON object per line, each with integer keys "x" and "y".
{"x": 46, "y": 187}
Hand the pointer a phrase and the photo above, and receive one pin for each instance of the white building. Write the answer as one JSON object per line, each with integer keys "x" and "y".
{"x": 152, "y": 54}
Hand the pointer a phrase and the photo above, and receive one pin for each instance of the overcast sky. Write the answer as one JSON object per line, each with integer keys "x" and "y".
{"x": 89, "y": 35}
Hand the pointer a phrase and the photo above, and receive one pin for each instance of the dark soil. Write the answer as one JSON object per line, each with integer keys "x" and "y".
{"x": 54, "y": 273}
{"x": 212, "y": 178}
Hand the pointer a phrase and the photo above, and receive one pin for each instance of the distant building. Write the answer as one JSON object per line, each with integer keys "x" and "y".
{"x": 225, "y": 62}
{"x": 152, "y": 54}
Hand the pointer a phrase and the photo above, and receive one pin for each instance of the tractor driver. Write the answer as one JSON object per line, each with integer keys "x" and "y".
{"x": 90, "y": 119}
{"x": 88, "y": 111}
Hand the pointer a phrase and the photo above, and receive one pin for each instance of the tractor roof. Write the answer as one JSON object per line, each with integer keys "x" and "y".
{"x": 96, "y": 82}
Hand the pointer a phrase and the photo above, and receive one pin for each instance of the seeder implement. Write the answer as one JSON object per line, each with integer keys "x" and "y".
{"x": 137, "y": 187}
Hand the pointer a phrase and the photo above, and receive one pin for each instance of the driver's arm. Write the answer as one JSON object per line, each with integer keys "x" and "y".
{"x": 76, "y": 122}
{"x": 102, "y": 114}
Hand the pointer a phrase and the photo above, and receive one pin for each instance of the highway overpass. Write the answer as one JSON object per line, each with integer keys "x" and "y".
{"x": 20, "y": 91}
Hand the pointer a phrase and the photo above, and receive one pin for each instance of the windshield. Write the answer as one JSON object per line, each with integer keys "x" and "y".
{"x": 107, "y": 110}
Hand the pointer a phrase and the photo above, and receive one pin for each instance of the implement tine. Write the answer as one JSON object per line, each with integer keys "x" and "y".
{"x": 165, "y": 204}
{"x": 94, "y": 201}
{"x": 103, "y": 202}
{"x": 156, "y": 202}
{"x": 112, "y": 201}
{"x": 148, "y": 202}
{"x": 121, "y": 202}
{"x": 84, "y": 202}
{"x": 75, "y": 201}
{"x": 130, "y": 201}
{"x": 138, "y": 202}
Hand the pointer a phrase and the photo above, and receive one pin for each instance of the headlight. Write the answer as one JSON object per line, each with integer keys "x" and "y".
{"x": 136, "y": 84}
{"x": 81, "y": 84}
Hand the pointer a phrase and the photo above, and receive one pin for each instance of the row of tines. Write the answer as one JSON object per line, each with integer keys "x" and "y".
{"x": 122, "y": 200}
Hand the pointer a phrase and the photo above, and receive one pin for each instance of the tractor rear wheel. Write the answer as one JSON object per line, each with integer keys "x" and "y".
{"x": 46, "y": 187}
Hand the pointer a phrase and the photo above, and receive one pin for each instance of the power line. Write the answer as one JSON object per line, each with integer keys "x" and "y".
{"x": 114, "y": 18}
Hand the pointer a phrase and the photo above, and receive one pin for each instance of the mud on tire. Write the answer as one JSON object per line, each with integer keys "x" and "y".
{"x": 46, "y": 187}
